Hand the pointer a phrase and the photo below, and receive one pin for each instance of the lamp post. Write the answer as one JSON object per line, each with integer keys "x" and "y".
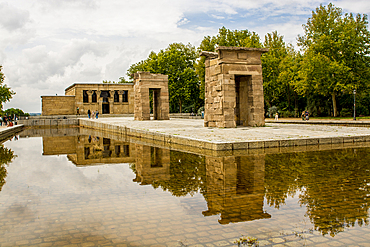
{"x": 354, "y": 104}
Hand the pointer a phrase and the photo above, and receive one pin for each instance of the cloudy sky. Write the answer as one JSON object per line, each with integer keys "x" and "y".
{"x": 46, "y": 45}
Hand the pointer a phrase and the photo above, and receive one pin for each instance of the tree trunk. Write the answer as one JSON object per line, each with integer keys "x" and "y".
{"x": 334, "y": 104}
{"x": 180, "y": 103}
{"x": 288, "y": 97}
{"x": 295, "y": 105}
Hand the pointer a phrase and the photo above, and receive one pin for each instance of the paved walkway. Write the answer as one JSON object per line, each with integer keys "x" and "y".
{"x": 193, "y": 128}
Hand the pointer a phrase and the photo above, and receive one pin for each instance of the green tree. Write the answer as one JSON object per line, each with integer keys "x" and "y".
{"x": 289, "y": 68}
{"x": 187, "y": 174}
{"x": 6, "y": 156}
{"x": 121, "y": 80}
{"x": 336, "y": 53}
{"x": 15, "y": 111}
{"x": 177, "y": 61}
{"x": 331, "y": 184}
{"x": 273, "y": 89}
{"x": 5, "y": 92}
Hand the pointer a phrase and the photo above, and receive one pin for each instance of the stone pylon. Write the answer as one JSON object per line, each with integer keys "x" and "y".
{"x": 233, "y": 87}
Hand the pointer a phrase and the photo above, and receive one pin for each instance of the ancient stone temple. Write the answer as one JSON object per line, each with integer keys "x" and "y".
{"x": 107, "y": 98}
{"x": 146, "y": 83}
{"x": 233, "y": 87}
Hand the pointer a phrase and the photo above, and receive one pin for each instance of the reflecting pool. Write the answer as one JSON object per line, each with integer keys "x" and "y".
{"x": 77, "y": 187}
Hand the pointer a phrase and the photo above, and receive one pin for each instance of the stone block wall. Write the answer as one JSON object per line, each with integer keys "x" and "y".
{"x": 233, "y": 87}
{"x": 114, "y": 107}
{"x": 144, "y": 82}
{"x": 58, "y": 105}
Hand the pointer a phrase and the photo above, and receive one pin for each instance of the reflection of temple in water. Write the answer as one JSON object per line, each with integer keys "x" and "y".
{"x": 152, "y": 164}
{"x": 84, "y": 148}
{"x": 234, "y": 184}
{"x": 97, "y": 150}
{"x": 235, "y": 188}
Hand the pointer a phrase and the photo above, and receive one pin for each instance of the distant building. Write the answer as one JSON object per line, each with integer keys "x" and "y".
{"x": 107, "y": 98}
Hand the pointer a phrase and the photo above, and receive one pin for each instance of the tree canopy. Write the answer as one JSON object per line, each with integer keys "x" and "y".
{"x": 5, "y": 92}
{"x": 336, "y": 53}
{"x": 121, "y": 80}
{"x": 178, "y": 62}
{"x": 6, "y": 157}
{"x": 15, "y": 111}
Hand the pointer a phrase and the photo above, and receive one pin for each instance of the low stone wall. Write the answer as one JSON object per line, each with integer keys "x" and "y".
{"x": 153, "y": 136}
{"x": 167, "y": 140}
{"x": 53, "y": 131}
{"x": 324, "y": 122}
{"x": 9, "y": 131}
{"x": 48, "y": 122}
{"x": 184, "y": 115}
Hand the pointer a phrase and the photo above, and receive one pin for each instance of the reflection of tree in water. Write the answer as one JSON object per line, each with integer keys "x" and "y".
{"x": 187, "y": 174}
{"x": 6, "y": 156}
{"x": 334, "y": 185}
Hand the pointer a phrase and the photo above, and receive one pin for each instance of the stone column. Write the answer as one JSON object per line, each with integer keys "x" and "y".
{"x": 89, "y": 94}
{"x": 100, "y": 101}
{"x": 120, "y": 96}
{"x": 111, "y": 101}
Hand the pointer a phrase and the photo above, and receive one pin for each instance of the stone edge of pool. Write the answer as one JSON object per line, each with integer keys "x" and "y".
{"x": 7, "y": 132}
{"x": 152, "y": 137}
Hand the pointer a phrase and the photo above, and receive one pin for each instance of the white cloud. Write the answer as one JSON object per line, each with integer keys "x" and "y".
{"x": 218, "y": 17}
{"x": 12, "y": 18}
{"x": 183, "y": 22}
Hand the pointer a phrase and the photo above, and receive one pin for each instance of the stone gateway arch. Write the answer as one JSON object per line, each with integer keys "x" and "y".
{"x": 233, "y": 87}
{"x": 144, "y": 83}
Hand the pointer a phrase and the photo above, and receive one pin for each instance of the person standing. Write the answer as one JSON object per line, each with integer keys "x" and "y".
{"x": 276, "y": 116}
{"x": 89, "y": 113}
{"x": 78, "y": 111}
{"x": 96, "y": 114}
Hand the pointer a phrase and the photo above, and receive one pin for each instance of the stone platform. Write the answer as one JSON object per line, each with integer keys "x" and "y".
{"x": 191, "y": 133}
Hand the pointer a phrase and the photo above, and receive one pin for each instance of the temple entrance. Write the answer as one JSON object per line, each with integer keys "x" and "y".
{"x": 105, "y": 108}
{"x": 105, "y": 99}
{"x": 241, "y": 99}
{"x": 151, "y": 96}
{"x": 155, "y": 103}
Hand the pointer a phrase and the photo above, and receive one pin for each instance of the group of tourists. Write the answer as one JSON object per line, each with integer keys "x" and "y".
{"x": 305, "y": 115}
{"x": 95, "y": 114}
{"x": 7, "y": 120}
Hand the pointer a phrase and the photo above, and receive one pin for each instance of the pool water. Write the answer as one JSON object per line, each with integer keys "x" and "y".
{"x": 74, "y": 188}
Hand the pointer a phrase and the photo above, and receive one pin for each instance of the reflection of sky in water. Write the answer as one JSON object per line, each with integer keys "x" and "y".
{"x": 47, "y": 196}
{"x": 32, "y": 173}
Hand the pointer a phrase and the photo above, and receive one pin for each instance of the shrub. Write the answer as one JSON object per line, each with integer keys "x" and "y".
{"x": 272, "y": 111}
{"x": 345, "y": 112}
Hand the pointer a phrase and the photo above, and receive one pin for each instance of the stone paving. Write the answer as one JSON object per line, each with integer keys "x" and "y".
{"x": 272, "y": 135}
